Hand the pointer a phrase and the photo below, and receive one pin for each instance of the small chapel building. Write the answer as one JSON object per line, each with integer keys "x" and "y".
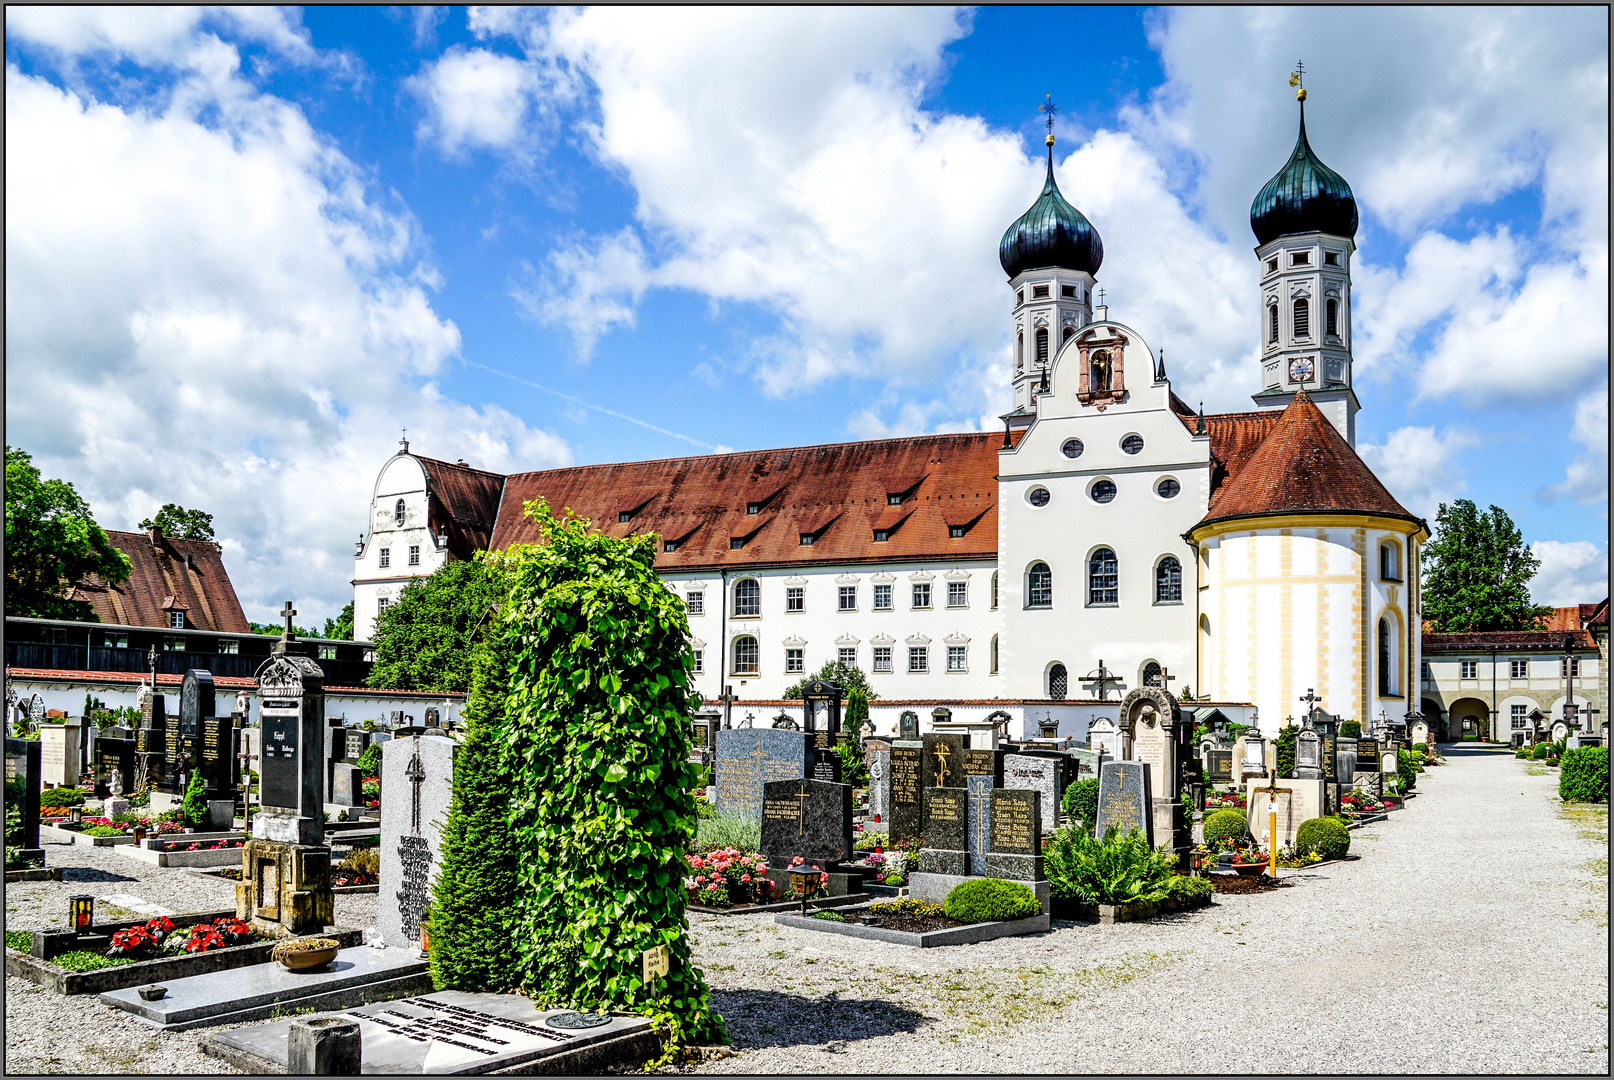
{"x": 1109, "y": 528}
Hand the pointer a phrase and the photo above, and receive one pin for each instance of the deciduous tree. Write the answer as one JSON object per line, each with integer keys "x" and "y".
{"x": 52, "y": 544}
{"x": 423, "y": 642}
{"x": 1477, "y": 571}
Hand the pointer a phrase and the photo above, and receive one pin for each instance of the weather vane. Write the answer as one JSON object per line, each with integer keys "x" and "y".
{"x": 1297, "y": 77}
{"x": 1050, "y": 108}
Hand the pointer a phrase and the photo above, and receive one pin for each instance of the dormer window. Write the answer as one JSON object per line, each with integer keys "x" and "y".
{"x": 669, "y": 546}
{"x": 624, "y": 516}
{"x": 1039, "y": 292}
{"x": 806, "y": 539}
{"x": 753, "y": 508}
{"x": 955, "y": 531}
{"x": 1331, "y": 258}
{"x": 398, "y": 513}
{"x": 736, "y": 543}
{"x": 1300, "y": 258}
{"x": 176, "y": 620}
{"x": 894, "y": 499}
{"x": 881, "y": 535}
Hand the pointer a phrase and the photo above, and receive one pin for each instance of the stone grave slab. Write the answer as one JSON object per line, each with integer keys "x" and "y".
{"x": 417, "y": 782}
{"x": 878, "y": 763}
{"x": 941, "y": 761}
{"x": 1015, "y": 836}
{"x": 1304, "y": 801}
{"x": 347, "y": 785}
{"x": 945, "y": 831}
{"x": 22, "y": 763}
{"x": 906, "y": 818}
{"x": 826, "y": 766}
{"x": 1219, "y": 766}
{"x": 809, "y": 818}
{"x": 1124, "y": 799}
{"x": 748, "y": 758}
{"x": 456, "y": 1033}
{"x": 1040, "y": 774}
{"x": 59, "y": 754}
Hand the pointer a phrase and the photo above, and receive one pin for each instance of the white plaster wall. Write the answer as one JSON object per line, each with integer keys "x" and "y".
{"x": 401, "y": 477}
{"x": 69, "y": 697}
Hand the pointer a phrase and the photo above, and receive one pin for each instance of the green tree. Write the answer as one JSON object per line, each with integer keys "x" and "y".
{"x": 423, "y": 642}
{"x": 1477, "y": 571}
{"x": 174, "y": 521}
{"x": 601, "y": 692}
{"x": 194, "y": 807}
{"x": 1286, "y": 751}
{"x": 850, "y": 676}
{"x": 475, "y": 902}
{"x": 341, "y": 627}
{"x": 857, "y": 711}
{"x": 275, "y": 629}
{"x": 52, "y": 544}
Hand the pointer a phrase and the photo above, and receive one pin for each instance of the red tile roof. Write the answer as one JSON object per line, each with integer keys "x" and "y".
{"x": 838, "y": 492}
{"x": 1300, "y": 465}
{"x": 1577, "y": 616}
{"x": 222, "y": 682}
{"x": 161, "y": 580}
{"x": 463, "y": 504}
{"x": 1506, "y": 640}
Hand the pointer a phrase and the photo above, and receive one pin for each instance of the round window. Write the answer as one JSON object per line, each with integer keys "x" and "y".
{"x": 1073, "y": 448}
{"x": 1132, "y": 444}
{"x": 1103, "y": 491}
{"x": 1168, "y": 488}
{"x": 1038, "y": 496}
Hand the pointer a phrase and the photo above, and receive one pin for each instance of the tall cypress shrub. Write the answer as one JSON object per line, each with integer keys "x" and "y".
{"x": 599, "y": 704}
{"x": 1285, "y": 743}
{"x": 475, "y": 907}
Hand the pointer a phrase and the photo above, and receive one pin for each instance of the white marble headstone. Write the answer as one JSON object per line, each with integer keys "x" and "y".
{"x": 417, "y": 782}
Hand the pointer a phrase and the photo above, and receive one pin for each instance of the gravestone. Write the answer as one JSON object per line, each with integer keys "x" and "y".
{"x": 826, "y": 765}
{"x": 906, "y": 818}
{"x": 983, "y": 774}
{"x": 877, "y": 759}
{"x": 1014, "y": 848}
{"x": 347, "y": 785}
{"x": 1367, "y": 755}
{"x": 807, "y": 818}
{"x": 944, "y": 832}
{"x": 114, "y": 765}
{"x": 216, "y": 757}
{"x": 1149, "y": 719}
{"x": 433, "y": 717}
{"x": 1219, "y": 766}
{"x": 1125, "y": 799}
{"x": 417, "y": 783}
{"x": 1308, "y": 753}
{"x": 1086, "y": 762}
{"x": 36, "y": 708}
{"x": 59, "y": 754}
{"x": 151, "y": 743}
{"x": 748, "y": 758}
{"x": 908, "y": 726}
{"x": 1040, "y": 774}
{"x": 1304, "y": 800}
{"x": 22, "y": 764}
{"x": 1103, "y": 736}
{"x": 942, "y": 761}
{"x": 1345, "y": 761}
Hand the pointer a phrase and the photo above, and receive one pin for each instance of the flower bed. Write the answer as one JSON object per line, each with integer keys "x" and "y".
{"x": 728, "y": 878}
{"x": 1361, "y": 803}
{"x": 1222, "y": 800}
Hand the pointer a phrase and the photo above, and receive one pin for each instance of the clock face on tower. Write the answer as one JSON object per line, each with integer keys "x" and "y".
{"x": 1301, "y": 370}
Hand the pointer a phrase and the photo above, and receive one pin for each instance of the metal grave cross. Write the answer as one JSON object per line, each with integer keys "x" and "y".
{"x": 943, "y": 751}
{"x": 246, "y": 791}
{"x": 1311, "y": 699}
{"x": 1272, "y": 791}
{"x": 416, "y": 775}
{"x": 1103, "y": 677}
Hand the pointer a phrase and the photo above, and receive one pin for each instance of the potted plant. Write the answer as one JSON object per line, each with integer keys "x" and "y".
{"x": 1250, "y": 862}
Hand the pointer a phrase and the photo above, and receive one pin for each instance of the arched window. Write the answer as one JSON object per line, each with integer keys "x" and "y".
{"x": 1168, "y": 581}
{"x": 1332, "y": 315}
{"x": 1386, "y": 667}
{"x": 1039, "y": 586}
{"x": 1302, "y": 318}
{"x": 994, "y": 590}
{"x": 747, "y": 597}
{"x": 1100, "y": 380}
{"x": 398, "y": 513}
{"x": 1151, "y": 674}
{"x": 745, "y": 655}
{"x": 1019, "y": 352}
{"x": 1070, "y": 332}
{"x": 994, "y": 654}
{"x": 1389, "y": 562}
{"x": 1058, "y": 682}
{"x": 1272, "y": 325}
{"x": 1042, "y": 344}
{"x": 1101, "y": 578}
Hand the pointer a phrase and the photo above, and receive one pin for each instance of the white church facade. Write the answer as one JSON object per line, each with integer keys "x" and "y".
{"x": 1251, "y": 556}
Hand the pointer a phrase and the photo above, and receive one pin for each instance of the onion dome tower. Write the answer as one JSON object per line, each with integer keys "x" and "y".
{"x": 1050, "y": 253}
{"x": 1305, "y": 221}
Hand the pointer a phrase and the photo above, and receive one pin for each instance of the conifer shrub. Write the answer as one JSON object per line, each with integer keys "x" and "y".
{"x": 1585, "y": 775}
{"x": 1285, "y": 743}
{"x": 1350, "y": 729}
{"x": 1326, "y": 836}
{"x": 193, "y": 810}
{"x": 991, "y": 900}
{"x": 1228, "y": 825}
{"x": 1081, "y": 801}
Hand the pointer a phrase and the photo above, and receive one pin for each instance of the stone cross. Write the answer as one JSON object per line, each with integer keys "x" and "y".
{"x": 286, "y": 613}
{"x": 728, "y": 699}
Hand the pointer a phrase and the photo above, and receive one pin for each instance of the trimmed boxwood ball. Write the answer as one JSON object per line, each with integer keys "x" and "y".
{"x": 1326, "y": 836}
{"x": 1585, "y": 775}
{"x": 1226, "y": 824}
{"x": 991, "y": 900}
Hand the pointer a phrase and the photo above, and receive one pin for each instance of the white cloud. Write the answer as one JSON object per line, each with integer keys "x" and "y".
{"x": 1571, "y": 573}
{"x": 1586, "y": 479}
{"x": 475, "y": 99}
{"x": 219, "y": 313}
{"x": 1419, "y": 466}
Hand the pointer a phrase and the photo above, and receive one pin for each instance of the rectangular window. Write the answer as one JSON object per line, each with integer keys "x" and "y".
{"x": 1518, "y": 669}
{"x": 227, "y": 646}
{"x": 696, "y": 602}
{"x": 327, "y": 652}
{"x": 1331, "y": 258}
{"x": 921, "y": 594}
{"x": 882, "y": 658}
{"x": 1039, "y": 292}
{"x": 793, "y": 662}
{"x": 955, "y": 531}
{"x": 958, "y": 594}
{"x": 881, "y": 535}
{"x": 386, "y": 557}
{"x": 1468, "y": 669}
{"x": 736, "y": 543}
{"x": 174, "y": 644}
{"x": 624, "y": 516}
{"x": 806, "y": 540}
{"x": 1426, "y": 675}
{"x": 918, "y": 659}
{"x": 847, "y": 654}
{"x": 1068, "y": 291}
{"x": 669, "y": 546}
{"x": 1518, "y": 718}
{"x": 893, "y": 500}
{"x": 795, "y": 598}
{"x": 882, "y": 598}
{"x": 700, "y": 661}
{"x": 1019, "y": 298}
{"x": 176, "y": 620}
{"x": 1272, "y": 266}
{"x": 958, "y": 658}
{"x": 745, "y": 656}
{"x": 414, "y": 554}
{"x": 1300, "y": 258}
{"x": 382, "y": 605}
{"x": 848, "y": 598}
{"x": 1569, "y": 666}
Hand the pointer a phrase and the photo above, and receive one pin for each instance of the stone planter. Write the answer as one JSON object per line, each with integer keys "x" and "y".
{"x": 956, "y": 935}
{"x": 311, "y": 960}
{"x": 1250, "y": 869}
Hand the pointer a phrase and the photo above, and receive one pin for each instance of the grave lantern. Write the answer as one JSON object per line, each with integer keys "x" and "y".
{"x": 81, "y": 913}
{"x": 75, "y": 815}
{"x": 801, "y": 881}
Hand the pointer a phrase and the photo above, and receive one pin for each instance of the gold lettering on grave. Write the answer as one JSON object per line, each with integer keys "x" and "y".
{"x": 904, "y": 777}
{"x": 943, "y": 809}
{"x": 1011, "y": 827}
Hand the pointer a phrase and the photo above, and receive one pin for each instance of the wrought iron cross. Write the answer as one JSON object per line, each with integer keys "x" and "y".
{"x": 286, "y": 613}
{"x": 1101, "y": 295}
{"x": 1048, "y": 107}
{"x": 1103, "y": 677}
{"x": 1297, "y": 77}
{"x": 416, "y": 775}
{"x": 151, "y": 661}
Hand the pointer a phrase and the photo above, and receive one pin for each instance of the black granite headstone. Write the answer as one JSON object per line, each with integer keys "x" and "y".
{"x": 1219, "y": 766}
{"x": 908, "y": 726}
{"x": 1367, "y": 755}
{"x": 945, "y": 831}
{"x": 22, "y": 764}
{"x": 809, "y": 818}
{"x": 196, "y": 700}
{"x": 827, "y": 766}
{"x": 114, "y": 756}
{"x": 1015, "y": 850}
{"x": 905, "y": 793}
{"x": 942, "y": 761}
{"x": 216, "y": 756}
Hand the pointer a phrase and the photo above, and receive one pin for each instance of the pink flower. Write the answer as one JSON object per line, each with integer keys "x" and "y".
{"x": 745, "y": 877}
{"x": 796, "y": 861}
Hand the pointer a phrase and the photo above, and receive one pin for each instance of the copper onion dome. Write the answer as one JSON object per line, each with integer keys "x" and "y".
{"x": 1305, "y": 196}
{"x": 1051, "y": 233}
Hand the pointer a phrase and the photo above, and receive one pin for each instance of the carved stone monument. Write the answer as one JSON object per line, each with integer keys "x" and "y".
{"x": 417, "y": 776}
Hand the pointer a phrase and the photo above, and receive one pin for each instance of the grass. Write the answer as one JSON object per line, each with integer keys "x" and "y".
{"x": 21, "y": 940}
{"x": 84, "y": 960}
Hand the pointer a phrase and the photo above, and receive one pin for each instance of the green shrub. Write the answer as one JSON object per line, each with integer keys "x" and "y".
{"x": 85, "y": 960}
{"x": 1081, "y": 801}
{"x": 1115, "y": 870}
{"x": 1540, "y": 752}
{"x": 1405, "y": 770}
{"x": 854, "y": 770}
{"x": 365, "y": 861}
{"x": 21, "y": 940}
{"x": 101, "y": 830}
{"x": 194, "y": 807}
{"x": 369, "y": 763}
{"x": 1585, "y": 775}
{"x": 1286, "y": 751}
{"x": 727, "y": 830}
{"x": 991, "y": 900}
{"x": 895, "y": 880}
{"x": 1326, "y": 836}
{"x": 828, "y": 916}
{"x": 908, "y": 906}
{"x": 61, "y": 796}
{"x": 1225, "y": 825}
{"x": 1189, "y": 891}
{"x": 1350, "y": 729}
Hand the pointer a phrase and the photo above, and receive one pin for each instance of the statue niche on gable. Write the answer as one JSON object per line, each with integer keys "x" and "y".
{"x": 1101, "y": 367}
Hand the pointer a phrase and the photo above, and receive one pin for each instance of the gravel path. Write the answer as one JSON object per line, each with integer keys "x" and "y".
{"x": 49, "y": 1033}
{"x": 1437, "y": 951}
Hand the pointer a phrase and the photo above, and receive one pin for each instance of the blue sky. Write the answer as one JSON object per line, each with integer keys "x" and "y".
{"x": 245, "y": 247}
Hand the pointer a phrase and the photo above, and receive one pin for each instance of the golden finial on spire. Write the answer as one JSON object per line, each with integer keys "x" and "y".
{"x": 1297, "y": 77}
{"x": 1050, "y": 108}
